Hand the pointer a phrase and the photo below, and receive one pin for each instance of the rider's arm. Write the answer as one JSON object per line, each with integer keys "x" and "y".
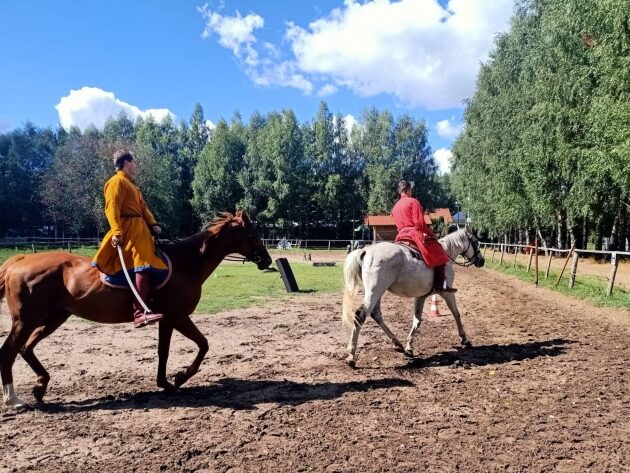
{"x": 114, "y": 195}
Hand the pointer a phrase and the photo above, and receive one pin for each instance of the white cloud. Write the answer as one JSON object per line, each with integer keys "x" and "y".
{"x": 442, "y": 158}
{"x": 235, "y": 33}
{"x": 93, "y": 106}
{"x": 417, "y": 50}
{"x": 326, "y": 89}
{"x": 414, "y": 49}
{"x": 448, "y": 129}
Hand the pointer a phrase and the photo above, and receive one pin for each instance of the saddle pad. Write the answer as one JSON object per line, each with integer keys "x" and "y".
{"x": 159, "y": 277}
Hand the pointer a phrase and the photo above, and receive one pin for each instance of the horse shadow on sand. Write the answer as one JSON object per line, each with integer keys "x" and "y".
{"x": 232, "y": 393}
{"x": 243, "y": 394}
{"x": 493, "y": 354}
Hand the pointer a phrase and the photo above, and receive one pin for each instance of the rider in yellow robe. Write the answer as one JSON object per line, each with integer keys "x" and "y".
{"x": 129, "y": 220}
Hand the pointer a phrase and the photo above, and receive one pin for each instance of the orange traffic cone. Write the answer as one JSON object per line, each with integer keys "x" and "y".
{"x": 434, "y": 312}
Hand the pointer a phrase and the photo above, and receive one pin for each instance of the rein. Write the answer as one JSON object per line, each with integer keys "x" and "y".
{"x": 469, "y": 261}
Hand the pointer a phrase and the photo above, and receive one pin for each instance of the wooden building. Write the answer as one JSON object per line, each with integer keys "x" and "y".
{"x": 383, "y": 227}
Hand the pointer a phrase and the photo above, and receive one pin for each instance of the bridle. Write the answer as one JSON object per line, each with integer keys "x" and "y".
{"x": 475, "y": 256}
{"x": 256, "y": 258}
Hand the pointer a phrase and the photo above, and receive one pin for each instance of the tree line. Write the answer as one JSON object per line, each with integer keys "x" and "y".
{"x": 301, "y": 180}
{"x": 546, "y": 145}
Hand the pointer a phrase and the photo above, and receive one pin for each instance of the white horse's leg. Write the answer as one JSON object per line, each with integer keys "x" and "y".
{"x": 361, "y": 315}
{"x": 449, "y": 297}
{"x": 377, "y": 315}
{"x": 9, "y": 396}
{"x": 415, "y": 325}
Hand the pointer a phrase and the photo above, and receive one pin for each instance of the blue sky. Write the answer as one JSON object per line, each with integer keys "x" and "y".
{"x": 408, "y": 56}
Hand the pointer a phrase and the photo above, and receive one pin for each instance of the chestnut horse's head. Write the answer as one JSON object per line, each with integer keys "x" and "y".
{"x": 242, "y": 238}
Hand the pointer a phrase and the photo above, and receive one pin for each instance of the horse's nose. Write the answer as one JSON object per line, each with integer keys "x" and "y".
{"x": 481, "y": 262}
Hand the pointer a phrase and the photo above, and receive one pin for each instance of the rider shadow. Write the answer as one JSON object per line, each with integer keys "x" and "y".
{"x": 492, "y": 354}
{"x": 231, "y": 393}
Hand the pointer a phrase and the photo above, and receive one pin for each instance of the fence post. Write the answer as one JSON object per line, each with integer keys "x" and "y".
{"x": 576, "y": 256}
{"x": 536, "y": 256}
{"x": 614, "y": 262}
{"x": 502, "y": 253}
{"x": 493, "y": 251}
{"x": 565, "y": 264}
{"x": 548, "y": 264}
{"x": 529, "y": 261}
{"x": 515, "y": 254}
{"x": 328, "y": 245}
{"x": 485, "y": 247}
{"x": 33, "y": 247}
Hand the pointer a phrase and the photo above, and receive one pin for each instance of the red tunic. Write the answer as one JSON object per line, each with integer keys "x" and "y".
{"x": 409, "y": 217}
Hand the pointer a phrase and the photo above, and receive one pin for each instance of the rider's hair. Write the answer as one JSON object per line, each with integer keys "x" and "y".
{"x": 403, "y": 186}
{"x": 120, "y": 157}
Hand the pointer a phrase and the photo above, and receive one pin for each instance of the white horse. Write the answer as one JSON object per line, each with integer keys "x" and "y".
{"x": 389, "y": 266}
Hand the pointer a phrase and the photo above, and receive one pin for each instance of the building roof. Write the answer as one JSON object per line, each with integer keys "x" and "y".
{"x": 388, "y": 220}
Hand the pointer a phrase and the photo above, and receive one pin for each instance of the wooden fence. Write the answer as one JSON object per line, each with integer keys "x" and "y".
{"x": 501, "y": 250}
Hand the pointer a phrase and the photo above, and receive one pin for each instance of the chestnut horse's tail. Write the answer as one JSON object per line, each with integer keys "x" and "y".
{"x": 4, "y": 268}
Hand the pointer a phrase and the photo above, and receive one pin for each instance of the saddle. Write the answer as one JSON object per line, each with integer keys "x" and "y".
{"x": 159, "y": 277}
{"x": 413, "y": 249}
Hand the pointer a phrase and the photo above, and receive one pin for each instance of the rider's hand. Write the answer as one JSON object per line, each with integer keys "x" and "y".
{"x": 116, "y": 240}
{"x": 157, "y": 229}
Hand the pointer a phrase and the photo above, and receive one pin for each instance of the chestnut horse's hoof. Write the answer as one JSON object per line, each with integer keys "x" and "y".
{"x": 166, "y": 386}
{"x": 466, "y": 344}
{"x": 38, "y": 392}
{"x": 180, "y": 378}
{"x": 408, "y": 353}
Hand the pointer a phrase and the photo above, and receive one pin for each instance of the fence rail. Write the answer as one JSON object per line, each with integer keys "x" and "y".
{"x": 533, "y": 252}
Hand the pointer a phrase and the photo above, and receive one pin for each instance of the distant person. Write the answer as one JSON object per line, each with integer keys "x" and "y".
{"x": 409, "y": 217}
{"x": 129, "y": 221}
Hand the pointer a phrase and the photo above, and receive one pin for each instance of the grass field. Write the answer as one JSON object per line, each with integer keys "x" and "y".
{"x": 589, "y": 288}
{"x": 235, "y": 286}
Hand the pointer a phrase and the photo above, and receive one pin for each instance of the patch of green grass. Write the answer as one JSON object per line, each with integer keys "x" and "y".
{"x": 234, "y": 286}
{"x": 588, "y": 288}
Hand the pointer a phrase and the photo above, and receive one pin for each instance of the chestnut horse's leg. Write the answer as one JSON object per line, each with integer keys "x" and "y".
{"x": 52, "y": 323}
{"x": 10, "y": 348}
{"x": 164, "y": 343}
{"x": 188, "y": 329}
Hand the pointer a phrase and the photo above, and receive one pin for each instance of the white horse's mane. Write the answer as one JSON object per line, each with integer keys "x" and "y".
{"x": 458, "y": 239}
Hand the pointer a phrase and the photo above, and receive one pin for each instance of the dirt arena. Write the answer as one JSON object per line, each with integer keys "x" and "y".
{"x": 544, "y": 389}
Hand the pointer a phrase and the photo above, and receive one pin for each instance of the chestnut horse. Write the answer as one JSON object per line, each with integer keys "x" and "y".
{"x": 43, "y": 289}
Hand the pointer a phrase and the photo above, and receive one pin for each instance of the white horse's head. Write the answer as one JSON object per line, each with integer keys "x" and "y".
{"x": 463, "y": 243}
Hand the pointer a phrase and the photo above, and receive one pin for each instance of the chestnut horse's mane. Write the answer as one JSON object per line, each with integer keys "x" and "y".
{"x": 196, "y": 240}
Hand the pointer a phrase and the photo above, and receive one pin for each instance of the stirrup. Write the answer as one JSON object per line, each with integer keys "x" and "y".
{"x": 146, "y": 318}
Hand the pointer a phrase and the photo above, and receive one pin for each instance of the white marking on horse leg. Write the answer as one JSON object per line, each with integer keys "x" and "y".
{"x": 449, "y": 297}
{"x": 415, "y": 325}
{"x": 352, "y": 345}
{"x": 9, "y": 396}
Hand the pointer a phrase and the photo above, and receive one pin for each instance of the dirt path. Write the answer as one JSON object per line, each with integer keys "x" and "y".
{"x": 544, "y": 389}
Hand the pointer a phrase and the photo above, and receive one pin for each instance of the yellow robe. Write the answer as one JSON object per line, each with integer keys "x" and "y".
{"x": 129, "y": 216}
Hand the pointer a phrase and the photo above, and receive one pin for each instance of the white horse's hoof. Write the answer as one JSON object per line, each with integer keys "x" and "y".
{"x": 351, "y": 362}
{"x": 15, "y": 402}
{"x": 408, "y": 353}
{"x": 467, "y": 344}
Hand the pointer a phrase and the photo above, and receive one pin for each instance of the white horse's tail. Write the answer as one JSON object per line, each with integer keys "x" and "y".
{"x": 352, "y": 284}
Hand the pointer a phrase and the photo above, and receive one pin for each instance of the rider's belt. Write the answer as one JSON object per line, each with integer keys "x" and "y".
{"x": 131, "y": 216}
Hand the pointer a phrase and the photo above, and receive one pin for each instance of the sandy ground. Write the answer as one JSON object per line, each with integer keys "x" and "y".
{"x": 544, "y": 389}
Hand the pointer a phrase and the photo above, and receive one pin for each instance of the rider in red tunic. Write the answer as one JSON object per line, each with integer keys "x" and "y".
{"x": 409, "y": 217}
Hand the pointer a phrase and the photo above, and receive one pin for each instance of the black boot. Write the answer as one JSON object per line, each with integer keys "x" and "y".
{"x": 439, "y": 280}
